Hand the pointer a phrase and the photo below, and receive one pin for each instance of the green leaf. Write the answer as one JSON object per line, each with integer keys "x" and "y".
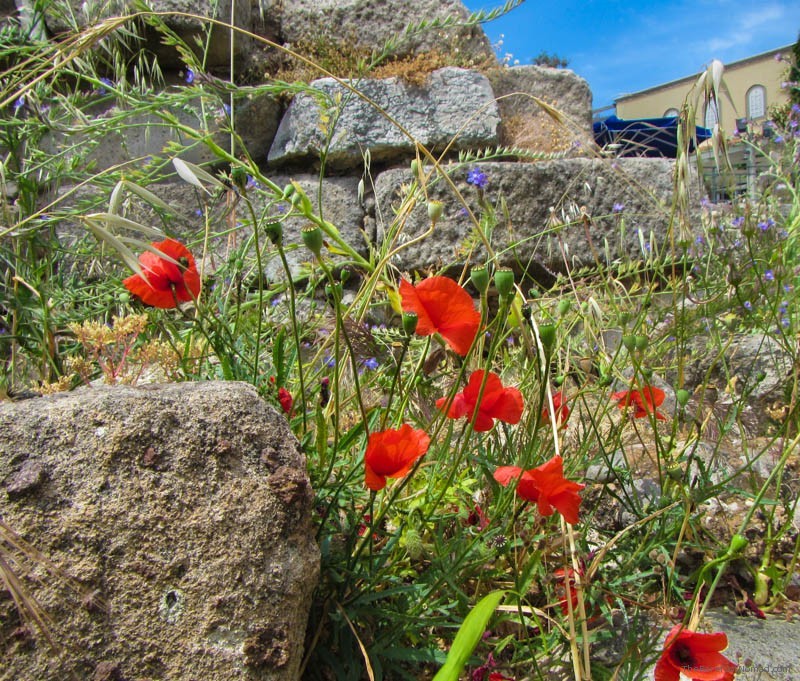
{"x": 468, "y": 636}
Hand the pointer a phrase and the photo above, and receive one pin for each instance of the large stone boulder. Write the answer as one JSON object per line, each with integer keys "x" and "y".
{"x": 170, "y": 533}
{"x": 369, "y": 24}
{"x": 563, "y": 123}
{"x": 549, "y": 213}
{"x": 455, "y": 105}
{"x": 77, "y": 15}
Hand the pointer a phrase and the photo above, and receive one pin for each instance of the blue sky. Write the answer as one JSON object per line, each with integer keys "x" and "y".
{"x": 620, "y": 46}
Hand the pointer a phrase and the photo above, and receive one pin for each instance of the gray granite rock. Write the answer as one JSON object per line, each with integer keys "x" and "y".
{"x": 544, "y": 203}
{"x": 454, "y": 105}
{"x": 174, "y": 529}
{"x": 78, "y": 15}
{"x": 371, "y": 23}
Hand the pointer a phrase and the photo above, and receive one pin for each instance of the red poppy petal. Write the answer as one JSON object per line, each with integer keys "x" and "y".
{"x": 443, "y": 307}
{"x": 508, "y": 406}
{"x": 374, "y": 481}
{"x": 665, "y": 670}
{"x": 149, "y": 295}
{"x": 505, "y": 474}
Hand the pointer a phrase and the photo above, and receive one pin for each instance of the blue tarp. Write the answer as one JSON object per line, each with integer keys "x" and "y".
{"x": 643, "y": 136}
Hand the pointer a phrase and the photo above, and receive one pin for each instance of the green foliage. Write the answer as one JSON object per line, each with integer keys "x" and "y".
{"x": 405, "y": 569}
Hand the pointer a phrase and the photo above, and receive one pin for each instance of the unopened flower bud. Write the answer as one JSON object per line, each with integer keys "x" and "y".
{"x": 682, "y": 397}
{"x": 435, "y": 209}
{"x": 640, "y": 342}
{"x": 563, "y": 307}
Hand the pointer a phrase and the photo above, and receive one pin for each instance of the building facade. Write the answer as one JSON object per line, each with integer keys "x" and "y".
{"x": 754, "y": 84}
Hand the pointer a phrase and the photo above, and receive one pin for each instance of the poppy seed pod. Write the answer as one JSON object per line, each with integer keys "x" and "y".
{"x": 504, "y": 281}
{"x": 547, "y": 334}
{"x": 274, "y": 231}
{"x": 435, "y": 209}
{"x": 480, "y": 278}
{"x": 410, "y": 320}
{"x": 312, "y": 238}
{"x": 415, "y": 168}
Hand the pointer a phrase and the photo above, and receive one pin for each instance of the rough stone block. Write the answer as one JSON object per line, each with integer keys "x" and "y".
{"x": 545, "y": 203}
{"x": 529, "y": 125}
{"x": 172, "y": 526}
{"x": 454, "y": 105}
{"x": 371, "y": 23}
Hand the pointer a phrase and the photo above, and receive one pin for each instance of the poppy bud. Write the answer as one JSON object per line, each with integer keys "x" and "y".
{"x": 547, "y": 334}
{"x": 563, "y": 307}
{"x": 682, "y": 397}
{"x": 274, "y": 232}
{"x": 504, "y": 281}
{"x": 288, "y": 190}
{"x": 312, "y": 238}
{"x": 415, "y": 168}
{"x": 410, "y": 320}
{"x": 414, "y": 545}
{"x": 435, "y": 209}
{"x": 738, "y": 544}
{"x": 480, "y": 278}
{"x": 239, "y": 177}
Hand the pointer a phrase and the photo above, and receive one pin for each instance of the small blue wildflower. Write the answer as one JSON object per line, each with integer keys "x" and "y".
{"x": 18, "y": 103}
{"x": 198, "y": 212}
{"x": 784, "y": 321}
{"x": 189, "y": 77}
{"x": 704, "y": 202}
{"x": 766, "y": 224}
{"x": 699, "y": 240}
{"x": 477, "y": 178}
{"x": 371, "y": 364}
{"x": 329, "y": 361}
{"x": 779, "y": 139}
{"x": 783, "y": 234}
{"x": 787, "y": 287}
{"x": 275, "y": 301}
{"x": 617, "y": 207}
{"x": 748, "y": 305}
{"x": 252, "y": 183}
{"x": 737, "y": 222}
{"x": 106, "y": 84}
{"x": 737, "y": 243}
{"x": 769, "y": 275}
{"x": 226, "y": 109}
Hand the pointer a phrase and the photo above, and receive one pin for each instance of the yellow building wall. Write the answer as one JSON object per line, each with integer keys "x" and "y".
{"x": 740, "y": 76}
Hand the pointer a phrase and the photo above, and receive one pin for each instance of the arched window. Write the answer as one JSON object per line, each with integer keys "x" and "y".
{"x": 756, "y": 102}
{"x": 712, "y": 114}
{"x": 671, "y": 112}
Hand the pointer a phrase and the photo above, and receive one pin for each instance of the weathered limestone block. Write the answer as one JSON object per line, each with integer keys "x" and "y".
{"x": 178, "y": 522}
{"x": 228, "y": 224}
{"x": 454, "y": 104}
{"x": 77, "y": 14}
{"x": 114, "y": 137}
{"x": 543, "y": 201}
{"x": 528, "y": 125}
{"x": 371, "y": 23}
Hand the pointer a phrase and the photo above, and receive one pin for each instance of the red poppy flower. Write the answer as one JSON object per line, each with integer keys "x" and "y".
{"x": 562, "y": 577}
{"x": 645, "y": 400}
{"x": 391, "y": 453}
{"x": 442, "y": 307}
{"x": 547, "y": 486}
{"x": 164, "y": 283}
{"x": 286, "y": 400}
{"x": 561, "y": 409}
{"x": 696, "y": 656}
{"x": 496, "y": 402}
